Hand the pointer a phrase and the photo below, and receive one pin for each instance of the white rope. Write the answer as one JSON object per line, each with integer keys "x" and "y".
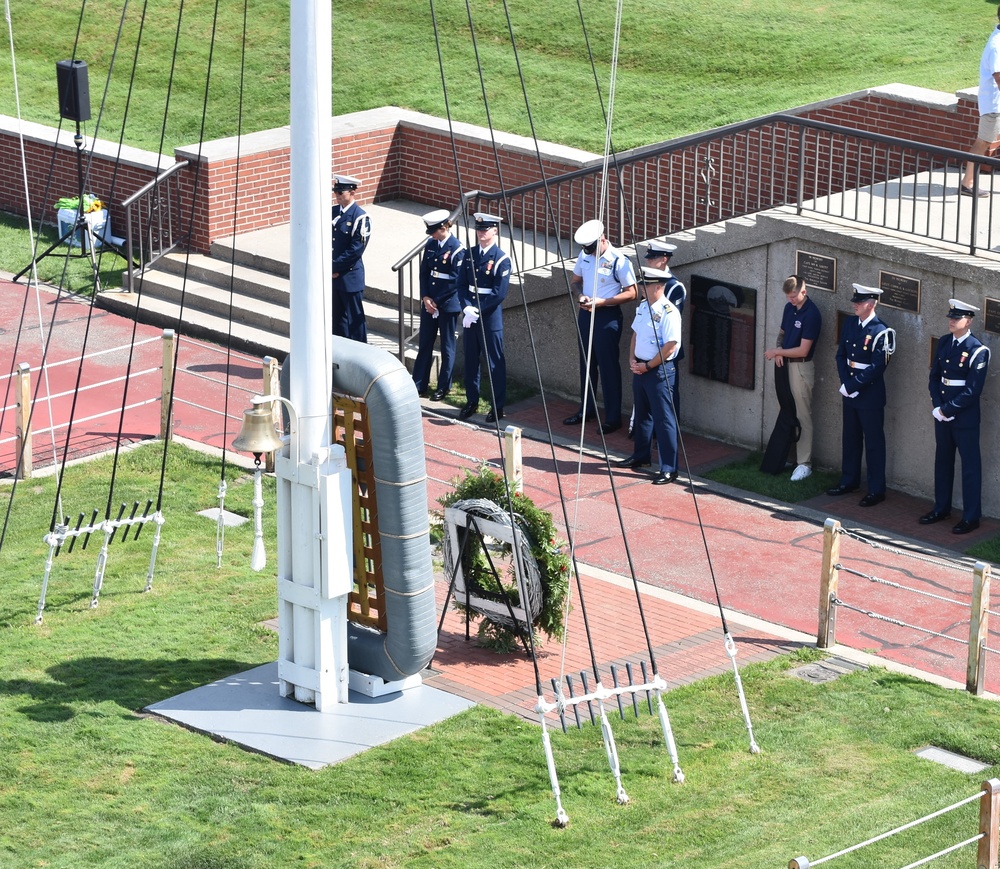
{"x": 32, "y": 241}
{"x": 601, "y": 211}
{"x": 883, "y": 547}
{"x": 889, "y": 833}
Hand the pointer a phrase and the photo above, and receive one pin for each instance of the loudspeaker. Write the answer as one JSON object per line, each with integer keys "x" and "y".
{"x": 74, "y": 90}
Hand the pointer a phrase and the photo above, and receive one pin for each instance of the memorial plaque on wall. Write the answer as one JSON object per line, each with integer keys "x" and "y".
{"x": 723, "y": 331}
{"x": 818, "y": 271}
{"x": 991, "y": 320}
{"x": 899, "y": 291}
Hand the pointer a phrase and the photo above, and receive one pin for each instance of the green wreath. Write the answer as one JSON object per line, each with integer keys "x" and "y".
{"x": 546, "y": 549}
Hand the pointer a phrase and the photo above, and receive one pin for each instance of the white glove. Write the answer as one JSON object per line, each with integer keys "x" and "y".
{"x": 434, "y": 316}
{"x": 940, "y": 417}
{"x": 843, "y": 391}
{"x": 471, "y": 316}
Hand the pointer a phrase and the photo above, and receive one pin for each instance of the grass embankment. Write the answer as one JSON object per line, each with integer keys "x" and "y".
{"x": 683, "y": 67}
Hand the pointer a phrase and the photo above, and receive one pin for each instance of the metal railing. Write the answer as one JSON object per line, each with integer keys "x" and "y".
{"x": 153, "y": 218}
{"x": 779, "y": 160}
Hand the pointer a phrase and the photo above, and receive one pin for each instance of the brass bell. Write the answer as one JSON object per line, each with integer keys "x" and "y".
{"x": 257, "y": 433}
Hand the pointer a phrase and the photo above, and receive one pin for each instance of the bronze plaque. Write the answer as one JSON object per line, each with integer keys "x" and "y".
{"x": 899, "y": 291}
{"x": 991, "y": 321}
{"x": 818, "y": 271}
{"x": 723, "y": 331}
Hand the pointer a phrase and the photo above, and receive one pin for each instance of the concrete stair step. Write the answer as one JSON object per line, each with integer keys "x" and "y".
{"x": 210, "y": 299}
{"x": 198, "y": 324}
{"x": 222, "y": 273}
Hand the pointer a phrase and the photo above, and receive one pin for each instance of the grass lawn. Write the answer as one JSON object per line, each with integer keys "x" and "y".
{"x": 87, "y": 780}
{"x": 64, "y": 267}
{"x": 683, "y": 66}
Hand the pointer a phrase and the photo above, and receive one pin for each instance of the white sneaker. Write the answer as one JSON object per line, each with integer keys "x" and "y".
{"x": 801, "y": 472}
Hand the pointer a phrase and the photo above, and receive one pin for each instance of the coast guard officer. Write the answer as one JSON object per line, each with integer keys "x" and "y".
{"x": 603, "y": 280}
{"x": 656, "y": 339}
{"x": 440, "y": 268}
{"x": 481, "y": 290}
{"x": 956, "y": 382}
{"x": 658, "y": 254}
{"x": 351, "y": 231}
{"x": 865, "y": 347}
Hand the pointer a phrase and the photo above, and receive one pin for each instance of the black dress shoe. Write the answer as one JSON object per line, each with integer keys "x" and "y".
{"x": 575, "y": 419}
{"x": 965, "y": 526}
{"x": 934, "y": 516}
{"x": 662, "y": 478}
{"x": 468, "y": 411}
{"x": 610, "y": 427}
{"x": 871, "y": 499}
{"x": 837, "y": 491}
{"x": 493, "y": 416}
{"x": 438, "y": 394}
{"x": 632, "y": 462}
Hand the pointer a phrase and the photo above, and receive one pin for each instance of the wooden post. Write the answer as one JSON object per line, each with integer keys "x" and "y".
{"x": 512, "y": 467}
{"x": 826, "y": 634}
{"x": 989, "y": 816}
{"x": 167, "y": 386}
{"x": 22, "y": 443}
{"x": 271, "y": 387}
{"x": 979, "y": 617}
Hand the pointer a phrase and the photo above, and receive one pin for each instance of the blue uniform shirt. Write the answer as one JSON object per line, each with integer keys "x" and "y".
{"x": 441, "y": 268}
{"x": 485, "y": 279}
{"x": 351, "y": 231}
{"x": 861, "y": 360}
{"x": 964, "y": 365}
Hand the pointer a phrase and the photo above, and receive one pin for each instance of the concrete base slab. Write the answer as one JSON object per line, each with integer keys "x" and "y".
{"x": 247, "y": 709}
{"x": 230, "y": 520}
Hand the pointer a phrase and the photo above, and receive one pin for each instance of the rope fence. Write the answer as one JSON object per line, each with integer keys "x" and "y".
{"x": 831, "y": 600}
{"x": 987, "y": 838}
{"x": 22, "y": 407}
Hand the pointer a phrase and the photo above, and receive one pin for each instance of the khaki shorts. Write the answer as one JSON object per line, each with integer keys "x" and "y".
{"x": 989, "y": 127}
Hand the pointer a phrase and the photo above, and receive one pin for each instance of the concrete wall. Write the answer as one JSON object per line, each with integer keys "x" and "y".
{"x": 760, "y": 253}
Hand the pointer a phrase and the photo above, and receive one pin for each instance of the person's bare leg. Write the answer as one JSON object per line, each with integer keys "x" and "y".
{"x": 979, "y": 148}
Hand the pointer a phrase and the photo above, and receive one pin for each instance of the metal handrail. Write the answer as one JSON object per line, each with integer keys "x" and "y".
{"x": 160, "y": 198}
{"x": 734, "y": 171}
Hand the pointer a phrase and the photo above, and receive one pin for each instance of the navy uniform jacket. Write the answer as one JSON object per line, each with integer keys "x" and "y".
{"x": 484, "y": 282}
{"x": 965, "y": 366}
{"x": 861, "y": 359}
{"x": 441, "y": 268}
{"x": 351, "y": 231}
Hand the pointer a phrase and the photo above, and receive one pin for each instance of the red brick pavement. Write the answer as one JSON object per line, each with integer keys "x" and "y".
{"x": 765, "y": 560}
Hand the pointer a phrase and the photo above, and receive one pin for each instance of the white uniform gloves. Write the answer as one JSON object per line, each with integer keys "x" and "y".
{"x": 471, "y": 316}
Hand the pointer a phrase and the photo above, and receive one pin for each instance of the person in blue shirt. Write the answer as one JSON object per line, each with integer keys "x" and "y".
{"x": 801, "y": 323}
{"x": 441, "y": 266}
{"x": 351, "y": 231}
{"x": 481, "y": 290}
{"x": 866, "y": 344}
{"x": 956, "y": 381}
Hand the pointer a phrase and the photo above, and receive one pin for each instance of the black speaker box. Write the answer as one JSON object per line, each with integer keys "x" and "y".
{"x": 74, "y": 90}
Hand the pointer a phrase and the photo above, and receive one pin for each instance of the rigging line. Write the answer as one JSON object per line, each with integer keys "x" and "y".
{"x": 34, "y": 279}
{"x": 232, "y": 261}
{"x": 587, "y": 629}
{"x": 114, "y": 182}
{"x": 614, "y": 489}
{"x": 500, "y": 441}
{"x": 60, "y": 478}
{"x": 677, "y": 422}
{"x": 191, "y": 217}
{"x": 220, "y": 526}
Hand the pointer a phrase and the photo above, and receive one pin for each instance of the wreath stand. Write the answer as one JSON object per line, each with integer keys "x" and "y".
{"x": 482, "y": 519}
